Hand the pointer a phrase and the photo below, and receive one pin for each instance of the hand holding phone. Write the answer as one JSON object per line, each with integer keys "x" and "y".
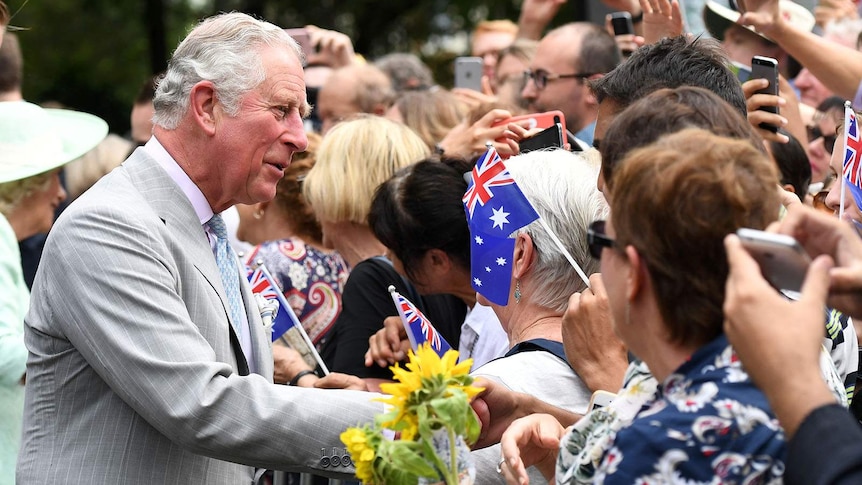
{"x": 548, "y": 138}
{"x": 766, "y": 68}
{"x": 781, "y": 258}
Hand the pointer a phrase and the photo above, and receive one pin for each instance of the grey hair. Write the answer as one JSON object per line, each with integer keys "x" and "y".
{"x": 562, "y": 188}
{"x": 223, "y": 49}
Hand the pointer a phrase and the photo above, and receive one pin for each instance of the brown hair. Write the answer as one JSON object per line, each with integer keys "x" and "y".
{"x": 667, "y": 111}
{"x": 289, "y": 198}
{"x": 693, "y": 188}
{"x": 431, "y": 114}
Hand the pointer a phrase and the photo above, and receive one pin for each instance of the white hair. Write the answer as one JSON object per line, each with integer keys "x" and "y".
{"x": 844, "y": 31}
{"x": 223, "y": 49}
{"x": 562, "y": 188}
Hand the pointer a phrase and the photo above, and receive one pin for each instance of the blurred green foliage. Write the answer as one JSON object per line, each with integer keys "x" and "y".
{"x": 94, "y": 55}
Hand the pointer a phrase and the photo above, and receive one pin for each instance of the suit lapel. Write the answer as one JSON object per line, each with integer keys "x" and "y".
{"x": 175, "y": 210}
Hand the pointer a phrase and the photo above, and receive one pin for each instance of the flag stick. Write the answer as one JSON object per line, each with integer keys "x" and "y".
{"x": 564, "y": 251}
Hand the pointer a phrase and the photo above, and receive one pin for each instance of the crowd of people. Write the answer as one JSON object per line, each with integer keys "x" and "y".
{"x": 638, "y": 342}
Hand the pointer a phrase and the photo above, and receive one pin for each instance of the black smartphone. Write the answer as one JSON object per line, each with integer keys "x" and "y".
{"x": 766, "y": 68}
{"x": 548, "y": 138}
{"x": 622, "y": 23}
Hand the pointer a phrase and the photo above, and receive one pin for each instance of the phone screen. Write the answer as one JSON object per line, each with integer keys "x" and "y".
{"x": 548, "y": 138}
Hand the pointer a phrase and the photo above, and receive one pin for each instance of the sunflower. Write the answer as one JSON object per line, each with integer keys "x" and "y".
{"x": 359, "y": 442}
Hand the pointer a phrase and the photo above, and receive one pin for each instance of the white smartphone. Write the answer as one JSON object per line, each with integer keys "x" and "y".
{"x": 468, "y": 73}
{"x": 600, "y": 399}
{"x": 782, "y": 260}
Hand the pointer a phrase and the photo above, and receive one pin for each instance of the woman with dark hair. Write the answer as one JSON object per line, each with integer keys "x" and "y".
{"x": 792, "y": 161}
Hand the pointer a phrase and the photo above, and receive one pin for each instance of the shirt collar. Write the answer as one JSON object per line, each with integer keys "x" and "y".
{"x": 181, "y": 178}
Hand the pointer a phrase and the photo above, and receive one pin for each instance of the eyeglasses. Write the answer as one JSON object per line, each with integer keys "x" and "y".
{"x": 597, "y": 239}
{"x": 815, "y": 133}
{"x": 541, "y": 77}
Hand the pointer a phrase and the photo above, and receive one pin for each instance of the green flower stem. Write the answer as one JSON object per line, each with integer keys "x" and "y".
{"x": 453, "y": 458}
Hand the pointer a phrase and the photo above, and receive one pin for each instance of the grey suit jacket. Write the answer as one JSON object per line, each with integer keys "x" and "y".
{"x": 133, "y": 374}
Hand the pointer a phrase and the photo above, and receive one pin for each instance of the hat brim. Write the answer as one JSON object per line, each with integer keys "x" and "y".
{"x": 73, "y": 133}
{"x": 719, "y": 18}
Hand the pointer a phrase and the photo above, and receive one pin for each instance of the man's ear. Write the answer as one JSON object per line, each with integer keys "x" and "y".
{"x": 524, "y": 255}
{"x": 203, "y": 100}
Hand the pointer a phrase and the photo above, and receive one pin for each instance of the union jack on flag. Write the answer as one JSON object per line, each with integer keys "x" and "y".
{"x": 260, "y": 284}
{"x": 419, "y": 329}
{"x": 852, "y": 170}
{"x": 492, "y": 217}
{"x": 852, "y": 148}
{"x": 488, "y": 172}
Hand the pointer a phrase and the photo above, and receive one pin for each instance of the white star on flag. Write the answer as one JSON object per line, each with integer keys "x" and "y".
{"x": 479, "y": 240}
{"x": 500, "y": 217}
{"x": 477, "y": 281}
{"x": 487, "y": 269}
{"x": 501, "y": 262}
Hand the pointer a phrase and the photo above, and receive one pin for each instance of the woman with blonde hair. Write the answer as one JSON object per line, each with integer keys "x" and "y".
{"x": 355, "y": 157}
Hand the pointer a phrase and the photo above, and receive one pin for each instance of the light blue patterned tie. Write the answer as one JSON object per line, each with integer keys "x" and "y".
{"x": 226, "y": 261}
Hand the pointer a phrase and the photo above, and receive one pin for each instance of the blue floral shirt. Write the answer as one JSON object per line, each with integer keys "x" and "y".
{"x": 708, "y": 423}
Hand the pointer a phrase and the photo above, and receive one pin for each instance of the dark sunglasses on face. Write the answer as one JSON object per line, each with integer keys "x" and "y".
{"x": 828, "y": 140}
{"x": 597, "y": 239}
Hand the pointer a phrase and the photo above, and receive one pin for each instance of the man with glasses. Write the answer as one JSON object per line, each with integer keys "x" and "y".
{"x": 557, "y": 79}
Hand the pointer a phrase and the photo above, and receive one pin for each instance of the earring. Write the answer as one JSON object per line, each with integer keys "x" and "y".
{"x": 258, "y": 214}
{"x": 517, "y": 291}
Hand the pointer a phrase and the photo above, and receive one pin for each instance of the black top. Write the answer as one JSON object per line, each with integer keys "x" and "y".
{"x": 827, "y": 449}
{"x": 366, "y": 302}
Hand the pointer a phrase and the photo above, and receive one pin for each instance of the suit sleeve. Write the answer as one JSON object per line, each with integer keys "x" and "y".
{"x": 113, "y": 289}
{"x": 827, "y": 449}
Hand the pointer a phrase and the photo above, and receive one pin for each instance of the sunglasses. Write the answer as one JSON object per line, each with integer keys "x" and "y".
{"x": 597, "y": 239}
{"x": 828, "y": 140}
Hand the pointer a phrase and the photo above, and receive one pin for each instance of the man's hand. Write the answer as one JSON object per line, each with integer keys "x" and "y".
{"x": 821, "y": 234}
{"x": 286, "y": 363}
{"x": 757, "y": 116}
{"x": 758, "y": 317}
{"x": 535, "y": 16}
{"x": 498, "y": 406}
{"x": 388, "y": 345}
{"x": 763, "y": 15}
{"x": 466, "y": 140}
{"x": 591, "y": 344}
{"x": 533, "y": 440}
{"x": 336, "y": 380}
{"x": 662, "y": 18}
{"x": 331, "y": 48}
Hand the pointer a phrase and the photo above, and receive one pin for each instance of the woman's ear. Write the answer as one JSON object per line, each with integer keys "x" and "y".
{"x": 637, "y": 273}
{"x": 523, "y": 256}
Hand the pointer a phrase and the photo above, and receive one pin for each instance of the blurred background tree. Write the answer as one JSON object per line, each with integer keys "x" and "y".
{"x": 93, "y": 55}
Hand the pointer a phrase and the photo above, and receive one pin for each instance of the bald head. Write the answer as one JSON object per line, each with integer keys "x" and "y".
{"x": 361, "y": 88}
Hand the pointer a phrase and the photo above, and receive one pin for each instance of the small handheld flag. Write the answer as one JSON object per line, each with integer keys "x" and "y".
{"x": 852, "y": 167}
{"x": 419, "y": 329}
{"x": 284, "y": 324}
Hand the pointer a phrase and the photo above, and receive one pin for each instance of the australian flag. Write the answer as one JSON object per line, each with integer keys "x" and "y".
{"x": 263, "y": 284}
{"x": 419, "y": 329}
{"x": 495, "y": 208}
{"x": 852, "y": 155}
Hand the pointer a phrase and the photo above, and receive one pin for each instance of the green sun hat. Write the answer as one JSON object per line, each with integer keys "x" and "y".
{"x": 34, "y": 140}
